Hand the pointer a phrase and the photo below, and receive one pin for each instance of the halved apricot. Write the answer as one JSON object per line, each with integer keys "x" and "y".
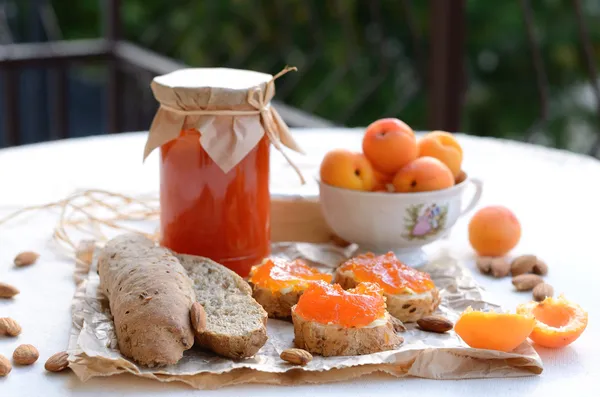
{"x": 558, "y": 321}
{"x": 494, "y": 331}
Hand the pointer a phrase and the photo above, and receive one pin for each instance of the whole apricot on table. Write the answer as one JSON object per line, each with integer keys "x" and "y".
{"x": 346, "y": 169}
{"x": 494, "y": 331}
{"x": 494, "y": 231}
{"x": 389, "y": 144}
{"x": 444, "y": 147}
{"x": 424, "y": 174}
{"x": 559, "y": 322}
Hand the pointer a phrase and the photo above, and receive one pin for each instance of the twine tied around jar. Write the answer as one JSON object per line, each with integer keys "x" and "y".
{"x": 258, "y": 98}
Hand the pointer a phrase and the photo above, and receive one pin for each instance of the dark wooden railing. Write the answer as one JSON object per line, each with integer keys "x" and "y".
{"x": 442, "y": 71}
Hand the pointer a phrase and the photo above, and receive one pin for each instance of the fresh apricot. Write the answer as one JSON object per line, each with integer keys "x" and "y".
{"x": 558, "y": 321}
{"x": 494, "y": 331}
{"x": 346, "y": 169}
{"x": 382, "y": 181}
{"x": 460, "y": 178}
{"x": 494, "y": 231}
{"x": 444, "y": 147}
{"x": 423, "y": 175}
{"x": 389, "y": 144}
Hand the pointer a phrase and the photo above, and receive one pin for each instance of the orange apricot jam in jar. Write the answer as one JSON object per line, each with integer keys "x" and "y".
{"x": 330, "y": 304}
{"x": 280, "y": 275}
{"x": 206, "y": 212}
{"x": 386, "y": 270}
{"x": 214, "y": 128}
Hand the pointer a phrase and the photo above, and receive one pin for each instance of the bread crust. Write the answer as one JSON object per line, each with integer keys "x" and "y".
{"x": 335, "y": 340}
{"x": 405, "y": 307}
{"x": 277, "y": 305}
{"x": 150, "y": 296}
{"x": 216, "y": 288}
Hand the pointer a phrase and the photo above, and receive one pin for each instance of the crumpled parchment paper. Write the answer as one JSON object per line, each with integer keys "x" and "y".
{"x": 93, "y": 349}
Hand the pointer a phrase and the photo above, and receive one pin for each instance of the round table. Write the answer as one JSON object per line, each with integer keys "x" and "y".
{"x": 555, "y": 194}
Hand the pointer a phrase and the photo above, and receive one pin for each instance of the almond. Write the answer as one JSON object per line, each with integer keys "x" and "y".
{"x": 540, "y": 268}
{"x": 5, "y": 366}
{"x": 7, "y": 291}
{"x": 296, "y": 356}
{"x": 9, "y": 327}
{"x": 528, "y": 264}
{"x": 500, "y": 267}
{"x": 198, "y": 317}
{"x": 542, "y": 291}
{"x": 526, "y": 282}
{"x": 398, "y": 325}
{"x": 484, "y": 264}
{"x": 435, "y": 323}
{"x": 25, "y": 355}
{"x": 57, "y": 362}
{"x": 497, "y": 267}
{"x": 26, "y": 258}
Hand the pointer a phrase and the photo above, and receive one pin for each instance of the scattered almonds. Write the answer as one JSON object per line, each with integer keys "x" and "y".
{"x": 9, "y": 327}
{"x": 57, "y": 362}
{"x": 540, "y": 268}
{"x": 433, "y": 323}
{"x": 26, "y": 258}
{"x": 296, "y": 356}
{"x": 198, "y": 317}
{"x": 398, "y": 325}
{"x": 498, "y": 267}
{"x": 526, "y": 282}
{"x": 7, "y": 291}
{"x": 528, "y": 264}
{"x": 25, "y": 355}
{"x": 5, "y": 366}
{"x": 542, "y": 291}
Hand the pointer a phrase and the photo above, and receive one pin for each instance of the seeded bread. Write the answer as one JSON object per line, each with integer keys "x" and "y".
{"x": 150, "y": 296}
{"x": 405, "y": 307}
{"x": 235, "y": 322}
{"x": 277, "y": 305}
{"x": 335, "y": 340}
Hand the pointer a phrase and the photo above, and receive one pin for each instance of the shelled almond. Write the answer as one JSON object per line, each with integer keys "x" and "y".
{"x": 5, "y": 366}
{"x": 497, "y": 267}
{"x": 25, "y": 355}
{"x": 9, "y": 327}
{"x": 542, "y": 291}
{"x": 296, "y": 356}
{"x": 526, "y": 282}
{"x": 7, "y": 291}
{"x": 26, "y": 258}
{"x": 58, "y": 362}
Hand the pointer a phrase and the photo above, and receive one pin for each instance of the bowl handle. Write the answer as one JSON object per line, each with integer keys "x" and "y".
{"x": 478, "y": 191}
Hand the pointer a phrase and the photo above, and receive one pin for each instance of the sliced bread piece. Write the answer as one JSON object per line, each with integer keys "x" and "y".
{"x": 405, "y": 307}
{"x": 235, "y": 322}
{"x": 278, "y": 283}
{"x": 335, "y": 340}
{"x": 277, "y": 304}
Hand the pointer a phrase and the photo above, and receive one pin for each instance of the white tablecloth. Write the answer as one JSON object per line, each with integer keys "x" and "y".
{"x": 556, "y": 196}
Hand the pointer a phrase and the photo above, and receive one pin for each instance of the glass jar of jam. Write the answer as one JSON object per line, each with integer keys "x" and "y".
{"x": 214, "y": 129}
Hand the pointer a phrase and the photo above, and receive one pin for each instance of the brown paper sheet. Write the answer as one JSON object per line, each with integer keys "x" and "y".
{"x": 93, "y": 347}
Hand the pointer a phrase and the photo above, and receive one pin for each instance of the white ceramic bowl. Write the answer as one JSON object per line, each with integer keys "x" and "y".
{"x": 400, "y": 222}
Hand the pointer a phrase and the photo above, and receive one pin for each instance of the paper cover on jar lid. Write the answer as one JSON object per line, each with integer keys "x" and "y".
{"x": 210, "y": 98}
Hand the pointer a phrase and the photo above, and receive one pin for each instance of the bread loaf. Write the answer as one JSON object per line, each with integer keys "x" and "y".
{"x": 150, "y": 297}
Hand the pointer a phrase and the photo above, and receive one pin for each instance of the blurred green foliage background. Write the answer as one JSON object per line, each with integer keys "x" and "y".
{"x": 358, "y": 61}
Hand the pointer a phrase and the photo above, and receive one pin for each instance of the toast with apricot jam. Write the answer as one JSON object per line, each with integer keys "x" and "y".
{"x": 410, "y": 294}
{"x": 277, "y": 284}
{"x": 330, "y": 321}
